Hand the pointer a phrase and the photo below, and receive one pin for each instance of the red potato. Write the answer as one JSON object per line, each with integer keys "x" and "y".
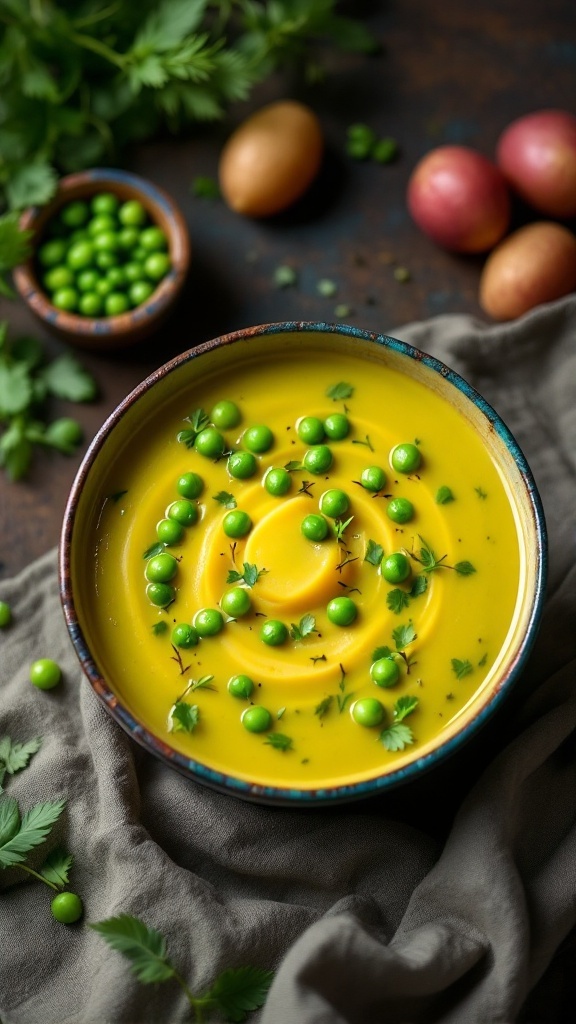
{"x": 537, "y": 155}
{"x": 535, "y": 264}
{"x": 459, "y": 198}
{"x": 271, "y": 159}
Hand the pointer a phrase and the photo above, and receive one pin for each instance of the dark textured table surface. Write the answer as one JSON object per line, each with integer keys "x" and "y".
{"x": 450, "y": 72}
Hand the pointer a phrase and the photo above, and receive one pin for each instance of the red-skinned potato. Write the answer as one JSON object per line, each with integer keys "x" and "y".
{"x": 535, "y": 264}
{"x": 537, "y": 155}
{"x": 271, "y": 159}
{"x": 459, "y": 198}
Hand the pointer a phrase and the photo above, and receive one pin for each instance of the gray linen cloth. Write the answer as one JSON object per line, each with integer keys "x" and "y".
{"x": 452, "y": 900}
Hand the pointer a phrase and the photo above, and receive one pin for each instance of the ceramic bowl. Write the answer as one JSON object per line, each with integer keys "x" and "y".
{"x": 315, "y": 682}
{"x": 100, "y": 333}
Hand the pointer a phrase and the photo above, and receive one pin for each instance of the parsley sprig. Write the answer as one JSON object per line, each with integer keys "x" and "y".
{"x": 15, "y": 756}
{"x": 233, "y": 993}
{"x": 402, "y": 636}
{"x": 305, "y": 627}
{"x": 250, "y": 575}
{"x": 397, "y": 736}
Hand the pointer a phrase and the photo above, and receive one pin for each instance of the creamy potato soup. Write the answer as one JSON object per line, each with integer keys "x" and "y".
{"x": 301, "y": 567}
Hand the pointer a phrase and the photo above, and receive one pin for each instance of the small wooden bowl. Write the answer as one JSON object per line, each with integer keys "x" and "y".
{"x": 99, "y": 333}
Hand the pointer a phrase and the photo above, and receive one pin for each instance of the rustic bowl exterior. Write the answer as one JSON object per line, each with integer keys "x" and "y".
{"x": 105, "y": 333}
{"x": 498, "y": 440}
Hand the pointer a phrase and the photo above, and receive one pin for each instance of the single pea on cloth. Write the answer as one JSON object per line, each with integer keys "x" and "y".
{"x": 448, "y": 900}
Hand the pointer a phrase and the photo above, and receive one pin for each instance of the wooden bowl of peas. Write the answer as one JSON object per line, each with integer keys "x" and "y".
{"x": 110, "y": 256}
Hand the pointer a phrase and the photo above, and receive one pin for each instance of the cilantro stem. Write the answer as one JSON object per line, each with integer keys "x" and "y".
{"x": 97, "y": 46}
{"x": 24, "y": 867}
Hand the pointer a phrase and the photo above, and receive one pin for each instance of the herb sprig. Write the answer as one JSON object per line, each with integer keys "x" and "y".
{"x": 429, "y": 562}
{"x": 233, "y": 993}
{"x": 397, "y": 736}
{"x": 250, "y": 575}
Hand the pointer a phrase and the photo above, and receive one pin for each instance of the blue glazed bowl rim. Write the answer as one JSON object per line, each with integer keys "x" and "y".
{"x": 278, "y": 795}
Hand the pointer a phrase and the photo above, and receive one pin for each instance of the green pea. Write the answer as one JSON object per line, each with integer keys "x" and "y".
{"x": 105, "y": 202}
{"x": 45, "y": 674}
{"x": 105, "y": 259}
{"x": 190, "y": 485}
{"x": 210, "y": 443}
{"x": 160, "y": 594}
{"x": 341, "y": 611}
{"x": 368, "y": 712}
{"x": 208, "y": 622}
{"x": 75, "y": 214}
{"x": 153, "y": 239}
{"x": 103, "y": 222}
{"x": 405, "y": 458}
{"x": 337, "y": 426}
{"x": 395, "y": 568}
{"x": 314, "y": 527}
{"x": 66, "y": 299}
{"x": 277, "y": 481}
{"x": 317, "y": 459}
{"x": 225, "y": 414}
{"x": 103, "y": 288}
{"x": 80, "y": 255}
{"x": 58, "y": 277}
{"x": 87, "y": 280}
{"x": 117, "y": 277}
{"x": 273, "y": 632}
{"x": 385, "y": 672}
{"x": 139, "y": 255}
{"x": 78, "y": 235}
{"x": 256, "y": 719}
{"x": 5, "y": 614}
{"x": 134, "y": 271}
{"x": 310, "y": 430}
{"x": 106, "y": 241}
{"x": 236, "y": 602}
{"x": 183, "y": 511}
{"x": 161, "y": 568}
{"x": 90, "y": 304}
{"x": 132, "y": 213}
{"x": 185, "y": 636}
{"x": 169, "y": 531}
{"x": 242, "y": 465}
{"x": 115, "y": 304}
{"x": 157, "y": 265}
{"x": 67, "y": 907}
{"x": 373, "y": 478}
{"x": 139, "y": 292}
{"x": 400, "y": 510}
{"x": 258, "y": 439}
{"x": 236, "y": 523}
{"x": 240, "y": 686}
{"x": 334, "y": 503}
{"x": 50, "y": 254}
{"x": 128, "y": 238}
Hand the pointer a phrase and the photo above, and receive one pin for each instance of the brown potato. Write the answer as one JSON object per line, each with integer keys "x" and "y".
{"x": 535, "y": 264}
{"x": 271, "y": 159}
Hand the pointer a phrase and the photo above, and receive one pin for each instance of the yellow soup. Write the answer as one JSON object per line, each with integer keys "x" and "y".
{"x": 358, "y": 686}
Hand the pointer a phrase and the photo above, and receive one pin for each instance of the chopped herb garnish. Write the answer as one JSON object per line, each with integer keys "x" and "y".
{"x": 340, "y": 391}
{"x": 483, "y": 659}
{"x": 397, "y": 600}
{"x": 367, "y": 442}
{"x": 374, "y": 553}
{"x": 225, "y": 498}
{"x": 279, "y": 741}
{"x": 306, "y": 486}
{"x": 116, "y": 496}
{"x": 292, "y": 466}
{"x": 324, "y": 706}
{"x": 404, "y": 706}
{"x": 339, "y": 526}
{"x": 319, "y": 657}
{"x": 280, "y": 713}
{"x": 159, "y": 627}
{"x": 154, "y": 549}
{"x": 184, "y": 717}
{"x": 404, "y": 635}
{"x": 481, "y": 494}
{"x": 427, "y": 559}
{"x": 463, "y": 568}
{"x": 305, "y": 627}
{"x": 461, "y": 668}
{"x": 250, "y": 575}
{"x": 444, "y": 495}
{"x": 419, "y": 585}
{"x": 398, "y": 736}
{"x": 346, "y": 561}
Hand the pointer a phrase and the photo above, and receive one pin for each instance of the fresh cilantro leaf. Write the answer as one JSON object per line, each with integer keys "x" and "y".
{"x": 419, "y": 585}
{"x": 15, "y": 451}
{"x": 293, "y": 465}
{"x": 239, "y": 990}
{"x": 374, "y": 553}
{"x": 28, "y": 351}
{"x": 428, "y": 558}
{"x": 32, "y": 184}
{"x": 381, "y": 652}
{"x": 15, "y": 248}
{"x": 324, "y": 706}
{"x": 397, "y": 600}
{"x": 66, "y": 378}
{"x": 160, "y": 627}
{"x": 464, "y": 568}
{"x": 15, "y": 388}
{"x": 279, "y": 741}
{"x": 56, "y": 867}
{"x": 404, "y": 706}
{"x": 305, "y": 627}
{"x": 339, "y": 391}
{"x": 155, "y": 549}
{"x": 143, "y": 946}
{"x": 461, "y": 668}
{"x": 15, "y": 756}
{"x": 444, "y": 495}
{"x": 250, "y": 575}
{"x": 396, "y": 737}
{"x": 30, "y": 831}
{"x": 404, "y": 635}
{"x": 225, "y": 498}
{"x": 184, "y": 717}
